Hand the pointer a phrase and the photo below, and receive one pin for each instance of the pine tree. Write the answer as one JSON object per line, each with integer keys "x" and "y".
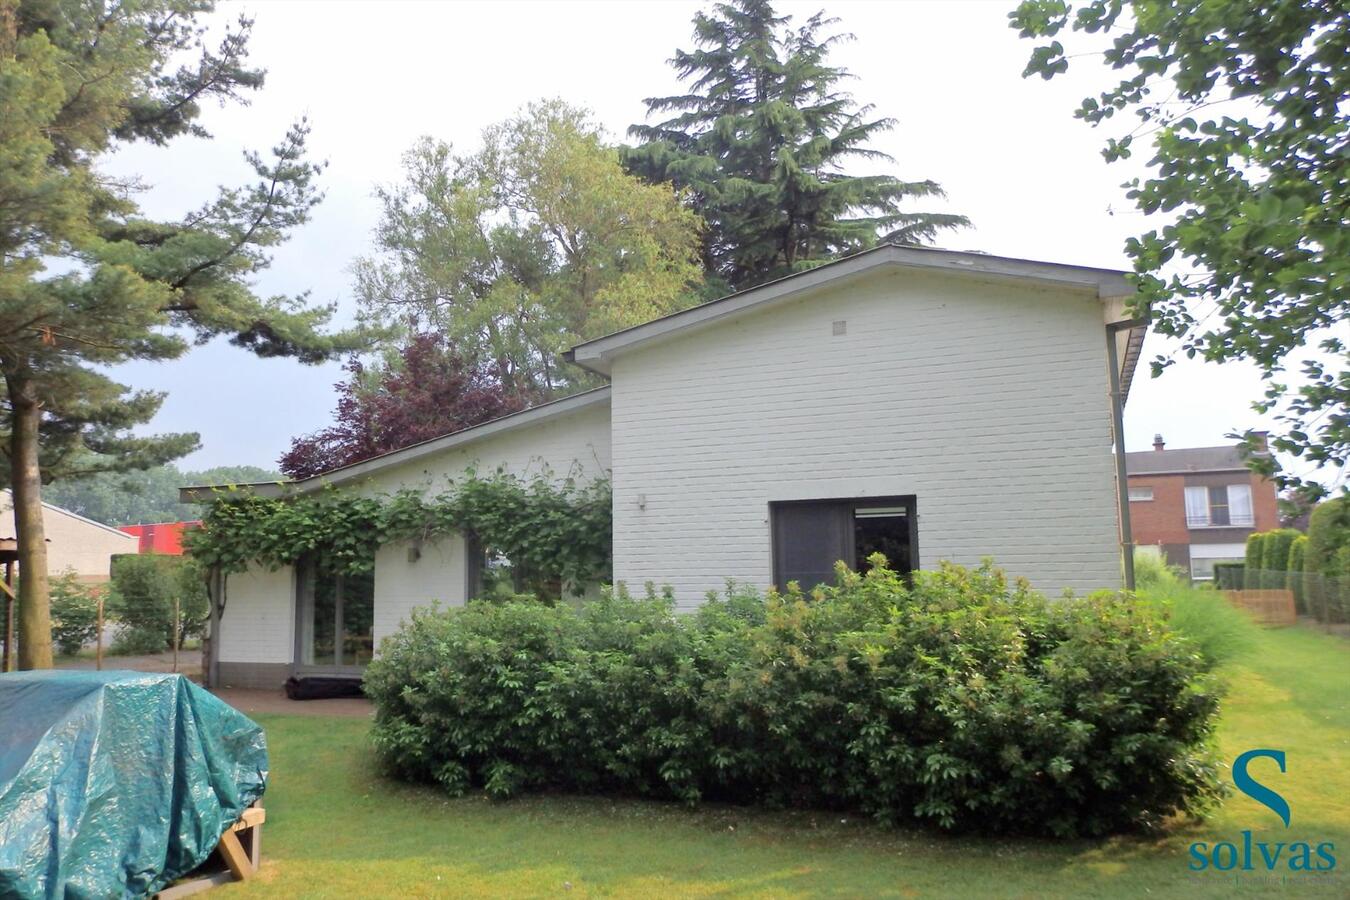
{"x": 760, "y": 145}
{"x": 86, "y": 281}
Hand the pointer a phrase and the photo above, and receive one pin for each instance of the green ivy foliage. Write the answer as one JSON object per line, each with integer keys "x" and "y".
{"x": 558, "y": 530}
{"x": 961, "y": 701}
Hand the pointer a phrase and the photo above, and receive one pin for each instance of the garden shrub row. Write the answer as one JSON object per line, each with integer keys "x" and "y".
{"x": 961, "y": 701}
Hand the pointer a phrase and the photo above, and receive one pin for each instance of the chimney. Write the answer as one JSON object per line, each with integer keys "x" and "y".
{"x": 1158, "y": 442}
{"x": 1260, "y": 441}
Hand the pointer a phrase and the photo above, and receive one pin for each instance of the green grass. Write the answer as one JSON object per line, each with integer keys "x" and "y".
{"x": 337, "y": 829}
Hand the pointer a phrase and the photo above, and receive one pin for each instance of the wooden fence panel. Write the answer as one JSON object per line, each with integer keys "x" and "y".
{"x": 1269, "y": 607}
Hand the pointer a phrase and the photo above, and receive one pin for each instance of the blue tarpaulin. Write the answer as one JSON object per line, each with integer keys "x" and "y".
{"x": 113, "y": 784}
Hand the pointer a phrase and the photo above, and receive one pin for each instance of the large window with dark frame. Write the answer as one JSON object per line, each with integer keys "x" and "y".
{"x": 336, "y": 618}
{"x": 810, "y": 536}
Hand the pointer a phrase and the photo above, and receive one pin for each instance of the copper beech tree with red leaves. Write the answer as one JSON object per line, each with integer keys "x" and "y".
{"x": 424, "y": 391}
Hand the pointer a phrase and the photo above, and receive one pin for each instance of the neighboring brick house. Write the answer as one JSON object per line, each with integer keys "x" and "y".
{"x": 1197, "y": 505}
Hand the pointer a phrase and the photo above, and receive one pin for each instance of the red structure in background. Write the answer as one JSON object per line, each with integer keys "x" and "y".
{"x": 161, "y": 537}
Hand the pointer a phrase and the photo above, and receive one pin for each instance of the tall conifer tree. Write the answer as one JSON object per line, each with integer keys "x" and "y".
{"x": 86, "y": 281}
{"x": 760, "y": 143}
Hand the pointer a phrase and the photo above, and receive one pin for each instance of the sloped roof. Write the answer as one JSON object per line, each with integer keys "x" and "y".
{"x": 1190, "y": 459}
{"x": 1102, "y": 283}
{"x": 533, "y": 415}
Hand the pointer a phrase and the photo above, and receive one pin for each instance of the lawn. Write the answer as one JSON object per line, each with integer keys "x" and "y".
{"x": 336, "y": 828}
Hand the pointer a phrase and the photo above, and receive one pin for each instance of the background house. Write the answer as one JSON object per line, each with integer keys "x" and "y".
{"x": 1195, "y": 506}
{"x": 74, "y": 543}
{"x": 160, "y": 537}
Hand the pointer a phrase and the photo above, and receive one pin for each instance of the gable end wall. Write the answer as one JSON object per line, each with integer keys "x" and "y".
{"x": 986, "y": 401}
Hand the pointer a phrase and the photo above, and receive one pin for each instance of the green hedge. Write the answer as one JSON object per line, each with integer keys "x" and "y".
{"x": 1256, "y": 551}
{"x": 1275, "y": 550}
{"x": 1294, "y": 577}
{"x": 1327, "y": 558}
{"x": 962, "y": 702}
{"x": 1229, "y": 576}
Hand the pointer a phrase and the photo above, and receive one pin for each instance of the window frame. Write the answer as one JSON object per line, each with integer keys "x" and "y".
{"x": 1143, "y": 488}
{"x": 306, "y": 570}
{"x": 908, "y": 501}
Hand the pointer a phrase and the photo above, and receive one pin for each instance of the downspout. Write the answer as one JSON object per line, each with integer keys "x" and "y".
{"x": 1118, "y": 432}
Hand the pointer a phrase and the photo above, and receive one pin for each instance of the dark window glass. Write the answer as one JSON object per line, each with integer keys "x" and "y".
{"x": 811, "y": 536}
{"x": 337, "y": 617}
{"x": 358, "y": 619}
{"x": 883, "y": 530}
{"x": 1218, "y": 505}
{"x": 322, "y": 653}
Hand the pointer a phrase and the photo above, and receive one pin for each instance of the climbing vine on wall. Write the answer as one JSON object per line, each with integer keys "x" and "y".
{"x": 560, "y": 531}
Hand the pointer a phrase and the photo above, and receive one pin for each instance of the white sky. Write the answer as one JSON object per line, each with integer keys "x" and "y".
{"x": 372, "y": 77}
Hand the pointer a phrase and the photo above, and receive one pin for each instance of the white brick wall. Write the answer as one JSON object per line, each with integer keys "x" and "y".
{"x": 986, "y": 401}
{"x": 258, "y": 625}
{"x": 438, "y": 575}
{"x": 575, "y": 443}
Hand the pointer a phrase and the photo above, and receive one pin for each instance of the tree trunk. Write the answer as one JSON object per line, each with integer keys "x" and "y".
{"x": 35, "y": 623}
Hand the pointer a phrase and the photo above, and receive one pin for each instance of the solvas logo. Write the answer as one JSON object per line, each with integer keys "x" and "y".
{"x": 1262, "y": 856}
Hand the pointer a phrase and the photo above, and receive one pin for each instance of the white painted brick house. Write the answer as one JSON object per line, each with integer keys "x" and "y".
{"x": 934, "y": 404}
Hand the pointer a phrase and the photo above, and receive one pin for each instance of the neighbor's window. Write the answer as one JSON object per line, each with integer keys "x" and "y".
{"x": 1141, "y": 493}
{"x": 1202, "y": 567}
{"x": 1222, "y": 505}
{"x": 810, "y": 536}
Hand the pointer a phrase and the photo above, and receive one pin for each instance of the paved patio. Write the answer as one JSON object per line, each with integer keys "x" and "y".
{"x": 276, "y": 702}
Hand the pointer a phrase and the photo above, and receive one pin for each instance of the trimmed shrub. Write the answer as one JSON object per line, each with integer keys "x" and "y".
{"x": 1328, "y": 535}
{"x": 1230, "y": 576}
{"x": 1256, "y": 551}
{"x": 960, "y": 701}
{"x": 74, "y": 613}
{"x": 1294, "y": 580}
{"x": 1275, "y": 550}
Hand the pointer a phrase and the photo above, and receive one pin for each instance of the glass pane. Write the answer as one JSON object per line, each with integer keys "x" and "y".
{"x": 809, "y": 539}
{"x": 884, "y": 531}
{"x": 500, "y": 578}
{"x": 1218, "y": 506}
{"x": 323, "y": 611}
{"x": 1197, "y": 506}
{"x": 1240, "y": 504}
{"x": 358, "y": 619}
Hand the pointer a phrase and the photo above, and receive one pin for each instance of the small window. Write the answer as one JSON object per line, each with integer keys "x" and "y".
{"x": 1141, "y": 493}
{"x": 810, "y": 536}
{"x": 493, "y": 576}
{"x": 1202, "y": 567}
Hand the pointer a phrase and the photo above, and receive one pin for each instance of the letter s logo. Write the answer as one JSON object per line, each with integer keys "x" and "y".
{"x": 1257, "y": 791}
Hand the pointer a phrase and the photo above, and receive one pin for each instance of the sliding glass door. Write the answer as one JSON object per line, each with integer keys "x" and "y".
{"x": 335, "y": 631}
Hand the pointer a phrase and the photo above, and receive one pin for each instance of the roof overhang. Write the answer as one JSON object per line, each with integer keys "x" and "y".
{"x": 356, "y": 471}
{"x": 1107, "y": 285}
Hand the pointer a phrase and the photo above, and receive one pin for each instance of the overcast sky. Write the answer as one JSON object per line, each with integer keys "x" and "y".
{"x": 372, "y": 77}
